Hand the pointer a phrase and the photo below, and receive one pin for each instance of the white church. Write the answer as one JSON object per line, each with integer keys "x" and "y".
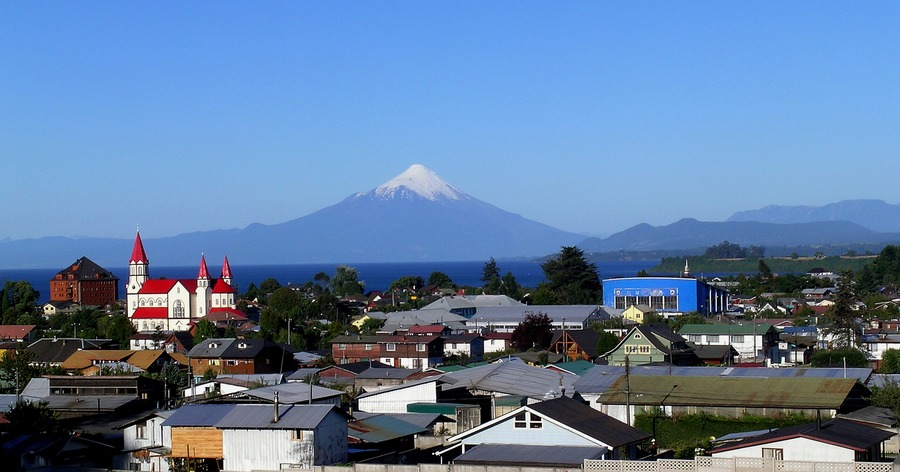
{"x": 175, "y": 304}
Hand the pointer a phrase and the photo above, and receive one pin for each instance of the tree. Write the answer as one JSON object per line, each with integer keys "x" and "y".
{"x": 765, "y": 273}
{"x": 441, "y": 280}
{"x": 607, "y": 342}
{"x": 509, "y": 286}
{"x": 16, "y": 369}
{"x": 890, "y": 362}
{"x": 116, "y": 327}
{"x": 27, "y": 417}
{"x": 490, "y": 276}
{"x": 572, "y": 279}
{"x": 887, "y": 396}
{"x": 346, "y": 282}
{"x": 841, "y": 320}
{"x": 205, "y": 329}
{"x": 407, "y": 282}
{"x": 536, "y": 330}
{"x": 836, "y": 358}
{"x": 268, "y": 286}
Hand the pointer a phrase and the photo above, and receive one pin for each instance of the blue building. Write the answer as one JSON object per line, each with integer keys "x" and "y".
{"x": 665, "y": 294}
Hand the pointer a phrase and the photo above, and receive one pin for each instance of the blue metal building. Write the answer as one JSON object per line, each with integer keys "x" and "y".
{"x": 665, "y": 294}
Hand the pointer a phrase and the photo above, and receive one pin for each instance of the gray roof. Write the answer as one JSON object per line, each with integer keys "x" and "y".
{"x": 250, "y": 379}
{"x": 573, "y": 313}
{"x": 300, "y": 375}
{"x": 291, "y": 393}
{"x": 381, "y": 428}
{"x": 243, "y": 416}
{"x": 37, "y": 388}
{"x": 880, "y": 380}
{"x": 212, "y": 347}
{"x": 387, "y": 373}
{"x": 493, "y": 300}
{"x": 529, "y": 455}
{"x": 450, "y": 303}
{"x": 414, "y": 383}
{"x": 423, "y": 317}
{"x": 601, "y": 377}
{"x": 511, "y": 377}
{"x": 873, "y": 415}
{"x": 422, "y": 420}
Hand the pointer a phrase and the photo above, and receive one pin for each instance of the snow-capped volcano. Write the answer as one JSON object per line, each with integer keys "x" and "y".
{"x": 421, "y": 181}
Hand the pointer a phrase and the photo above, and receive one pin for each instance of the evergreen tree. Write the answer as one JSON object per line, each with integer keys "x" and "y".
{"x": 572, "y": 279}
{"x": 841, "y": 321}
{"x": 536, "y": 330}
{"x": 490, "y": 276}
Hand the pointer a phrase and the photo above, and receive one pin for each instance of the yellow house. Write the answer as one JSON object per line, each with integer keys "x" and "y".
{"x": 637, "y": 313}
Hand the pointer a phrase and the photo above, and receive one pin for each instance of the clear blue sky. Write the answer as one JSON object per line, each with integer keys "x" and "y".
{"x": 588, "y": 116}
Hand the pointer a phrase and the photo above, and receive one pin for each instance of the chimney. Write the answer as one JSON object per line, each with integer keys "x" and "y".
{"x": 276, "y": 407}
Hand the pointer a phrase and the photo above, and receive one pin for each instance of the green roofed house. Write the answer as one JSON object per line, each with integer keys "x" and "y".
{"x": 466, "y": 416}
{"x": 647, "y": 344}
{"x": 752, "y": 341}
{"x": 731, "y": 396}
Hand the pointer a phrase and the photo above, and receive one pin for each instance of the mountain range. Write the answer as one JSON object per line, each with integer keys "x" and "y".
{"x": 417, "y": 216}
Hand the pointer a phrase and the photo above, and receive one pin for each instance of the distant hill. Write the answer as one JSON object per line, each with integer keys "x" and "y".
{"x": 692, "y": 234}
{"x": 875, "y": 215}
{"x": 415, "y": 216}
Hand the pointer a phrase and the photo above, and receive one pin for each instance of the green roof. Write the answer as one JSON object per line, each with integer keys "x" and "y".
{"x": 441, "y": 408}
{"x": 747, "y": 328}
{"x": 510, "y": 400}
{"x": 748, "y": 392}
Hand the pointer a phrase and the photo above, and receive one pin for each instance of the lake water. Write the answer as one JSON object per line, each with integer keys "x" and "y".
{"x": 377, "y": 276}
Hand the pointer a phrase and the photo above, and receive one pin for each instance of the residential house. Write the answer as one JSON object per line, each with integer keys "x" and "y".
{"x": 881, "y": 418}
{"x": 144, "y": 441}
{"x": 259, "y": 437}
{"x": 292, "y": 393}
{"x": 576, "y": 344}
{"x": 497, "y": 342}
{"x": 637, "y": 314}
{"x": 52, "y": 352}
{"x": 714, "y": 354}
{"x": 560, "y": 433}
{"x": 345, "y": 374}
{"x": 875, "y": 345}
{"x": 171, "y": 341}
{"x": 468, "y": 346}
{"x": 645, "y": 344}
{"x": 98, "y": 362}
{"x": 751, "y": 340}
{"x": 836, "y": 440}
{"x": 239, "y": 356}
{"x": 396, "y": 399}
{"x": 375, "y": 378}
{"x": 17, "y": 333}
{"x": 411, "y": 352}
{"x": 81, "y": 396}
{"x": 52, "y": 308}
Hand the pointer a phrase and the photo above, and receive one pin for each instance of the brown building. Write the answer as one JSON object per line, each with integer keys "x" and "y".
{"x": 86, "y": 283}
{"x": 410, "y": 352}
{"x": 240, "y": 356}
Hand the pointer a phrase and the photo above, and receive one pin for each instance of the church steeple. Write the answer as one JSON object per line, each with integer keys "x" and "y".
{"x": 138, "y": 273}
{"x": 687, "y": 270}
{"x": 226, "y": 271}
{"x": 203, "y": 274}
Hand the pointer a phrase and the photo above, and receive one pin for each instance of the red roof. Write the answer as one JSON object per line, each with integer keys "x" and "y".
{"x": 204, "y": 272}
{"x": 15, "y": 331}
{"x": 158, "y": 286}
{"x": 151, "y": 312}
{"x": 137, "y": 253}
{"x": 222, "y": 287}
{"x": 224, "y": 314}
{"x": 438, "y": 329}
{"x": 226, "y": 269}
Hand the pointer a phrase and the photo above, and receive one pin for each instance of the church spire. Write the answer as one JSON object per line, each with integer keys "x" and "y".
{"x": 137, "y": 252}
{"x": 687, "y": 270}
{"x": 204, "y": 272}
{"x": 226, "y": 269}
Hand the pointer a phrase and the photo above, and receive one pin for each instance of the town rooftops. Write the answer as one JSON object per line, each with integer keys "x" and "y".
{"x": 244, "y": 416}
{"x": 740, "y": 329}
{"x": 842, "y": 432}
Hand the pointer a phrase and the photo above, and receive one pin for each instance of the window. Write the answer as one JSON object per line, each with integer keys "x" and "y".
{"x": 712, "y": 338}
{"x": 391, "y": 347}
{"x": 527, "y": 420}
{"x": 695, "y": 338}
{"x": 420, "y": 347}
{"x": 297, "y": 435}
{"x": 368, "y": 346}
{"x": 773, "y": 453}
{"x": 140, "y": 430}
{"x": 631, "y": 349}
{"x": 342, "y": 346}
{"x": 178, "y": 309}
{"x": 737, "y": 338}
{"x": 644, "y": 349}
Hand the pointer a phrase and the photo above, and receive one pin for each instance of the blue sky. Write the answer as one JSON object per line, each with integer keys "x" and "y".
{"x": 588, "y": 116}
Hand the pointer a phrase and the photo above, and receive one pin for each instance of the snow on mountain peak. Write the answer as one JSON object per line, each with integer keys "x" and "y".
{"x": 420, "y": 180}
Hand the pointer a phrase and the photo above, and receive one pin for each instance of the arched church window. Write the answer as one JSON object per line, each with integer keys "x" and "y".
{"x": 178, "y": 309}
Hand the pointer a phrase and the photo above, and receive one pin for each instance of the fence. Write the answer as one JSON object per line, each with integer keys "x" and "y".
{"x": 700, "y": 464}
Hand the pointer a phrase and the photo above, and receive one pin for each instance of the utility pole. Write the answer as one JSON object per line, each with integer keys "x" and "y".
{"x": 627, "y": 393}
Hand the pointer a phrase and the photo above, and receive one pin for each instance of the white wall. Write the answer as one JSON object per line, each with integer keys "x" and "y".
{"x": 395, "y": 401}
{"x": 797, "y": 449}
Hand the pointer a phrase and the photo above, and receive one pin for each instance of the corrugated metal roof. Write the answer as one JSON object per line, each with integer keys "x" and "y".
{"x": 529, "y": 455}
{"x": 512, "y": 377}
{"x": 381, "y": 428}
{"x": 732, "y": 391}
{"x": 837, "y": 431}
{"x": 198, "y": 415}
{"x": 601, "y": 377}
{"x": 422, "y": 420}
{"x": 291, "y": 393}
{"x": 438, "y": 408}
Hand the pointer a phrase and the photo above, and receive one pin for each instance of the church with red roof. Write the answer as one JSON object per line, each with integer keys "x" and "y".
{"x": 175, "y": 304}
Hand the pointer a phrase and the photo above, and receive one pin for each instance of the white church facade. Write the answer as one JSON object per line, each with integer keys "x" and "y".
{"x": 175, "y": 304}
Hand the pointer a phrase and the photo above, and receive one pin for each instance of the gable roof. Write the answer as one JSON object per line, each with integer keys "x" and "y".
{"x": 244, "y": 416}
{"x": 778, "y": 392}
{"x": 839, "y": 432}
{"x": 575, "y": 416}
{"x": 512, "y": 377}
{"x": 587, "y": 339}
{"x": 57, "y": 350}
{"x": 15, "y": 331}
